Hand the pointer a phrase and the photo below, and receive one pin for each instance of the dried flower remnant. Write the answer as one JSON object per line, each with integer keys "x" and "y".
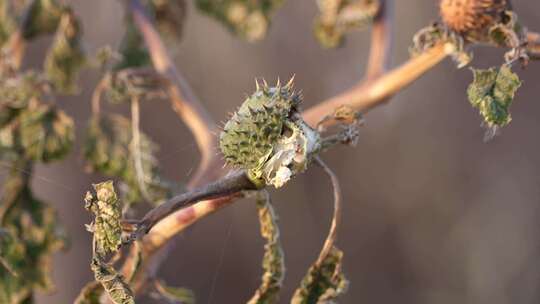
{"x": 434, "y": 34}
{"x": 247, "y": 18}
{"x": 337, "y": 17}
{"x": 267, "y": 136}
{"x": 473, "y": 16}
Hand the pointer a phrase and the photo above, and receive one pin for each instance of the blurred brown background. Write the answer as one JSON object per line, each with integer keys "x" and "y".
{"x": 432, "y": 214}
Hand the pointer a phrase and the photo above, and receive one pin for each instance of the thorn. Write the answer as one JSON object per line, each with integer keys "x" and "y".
{"x": 265, "y": 83}
{"x": 291, "y": 82}
{"x": 257, "y": 87}
{"x": 278, "y": 84}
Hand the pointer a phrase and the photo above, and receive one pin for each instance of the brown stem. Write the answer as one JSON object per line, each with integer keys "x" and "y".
{"x": 381, "y": 41}
{"x": 182, "y": 98}
{"x": 233, "y": 183}
{"x": 371, "y": 93}
{"x": 533, "y": 45}
{"x": 336, "y": 218}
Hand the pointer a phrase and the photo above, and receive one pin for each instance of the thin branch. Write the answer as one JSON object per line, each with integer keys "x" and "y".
{"x": 533, "y": 45}
{"x": 233, "y": 183}
{"x": 336, "y": 218}
{"x": 182, "y": 98}
{"x": 97, "y": 93}
{"x": 369, "y": 94}
{"x": 381, "y": 41}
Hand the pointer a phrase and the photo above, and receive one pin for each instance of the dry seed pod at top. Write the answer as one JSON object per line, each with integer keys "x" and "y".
{"x": 473, "y": 18}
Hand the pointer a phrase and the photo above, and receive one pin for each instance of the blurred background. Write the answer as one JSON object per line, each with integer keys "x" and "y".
{"x": 432, "y": 213}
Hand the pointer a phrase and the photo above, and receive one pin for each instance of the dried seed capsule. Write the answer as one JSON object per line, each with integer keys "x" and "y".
{"x": 472, "y": 16}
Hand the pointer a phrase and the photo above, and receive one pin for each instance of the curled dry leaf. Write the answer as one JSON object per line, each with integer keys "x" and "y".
{"x": 273, "y": 261}
{"x": 324, "y": 282}
{"x": 66, "y": 56}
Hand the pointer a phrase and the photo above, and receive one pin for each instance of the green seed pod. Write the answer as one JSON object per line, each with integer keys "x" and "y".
{"x": 267, "y": 136}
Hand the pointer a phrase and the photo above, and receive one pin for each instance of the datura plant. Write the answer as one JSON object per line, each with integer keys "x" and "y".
{"x": 267, "y": 136}
{"x": 264, "y": 144}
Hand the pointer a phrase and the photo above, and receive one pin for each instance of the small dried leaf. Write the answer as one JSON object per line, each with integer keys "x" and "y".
{"x": 90, "y": 294}
{"x": 323, "y": 283}
{"x": 46, "y": 133}
{"x": 7, "y": 21}
{"x": 337, "y": 17}
{"x": 249, "y": 19}
{"x": 132, "y": 48}
{"x": 492, "y": 93}
{"x": 44, "y": 18}
{"x": 273, "y": 260}
{"x": 113, "y": 283}
{"x": 66, "y": 56}
{"x": 174, "y": 294}
{"x": 107, "y": 151}
{"x": 106, "y": 208}
{"x": 30, "y": 236}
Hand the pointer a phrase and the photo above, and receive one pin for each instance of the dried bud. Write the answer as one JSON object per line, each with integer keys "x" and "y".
{"x": 473, "y": 17}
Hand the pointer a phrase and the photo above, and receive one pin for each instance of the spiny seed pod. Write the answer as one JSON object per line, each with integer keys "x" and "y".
{"x": 267, "y": 136}
{"x": 472, "y": 16}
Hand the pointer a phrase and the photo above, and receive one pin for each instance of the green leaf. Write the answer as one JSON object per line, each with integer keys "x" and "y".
{"x": 30, "y": 236}
{"x": 46, "y": 133}
{"x": 174, "y": 294}
{"x": 66, "y": 56}
{"x": 113, "y": 283}
{"x": 249, "y": 19}
{"x": 273, "y": 260}
{"x": 323, "y": 283}
{"x": 337, "y": 17}
{"x": 106, "y": 208}
{"x": 107, "y": 150}
{"x": 16, "y": 92}
{"x": 492, "y": 93}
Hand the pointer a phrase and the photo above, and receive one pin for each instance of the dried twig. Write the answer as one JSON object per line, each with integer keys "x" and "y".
{"x": 381, "y": 41}
{"x": 233, "y": 183}
{"x": 336, "y": 218}
{"x": 371, "y": 93}
{"x": 182, "y": 98}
